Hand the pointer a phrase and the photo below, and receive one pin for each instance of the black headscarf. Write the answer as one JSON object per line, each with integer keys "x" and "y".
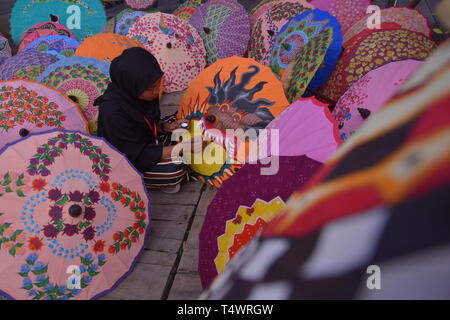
{"x": 122, "y": 114}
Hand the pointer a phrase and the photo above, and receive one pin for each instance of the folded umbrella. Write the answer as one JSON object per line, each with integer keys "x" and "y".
{"x": 57, "y": 45}
{"x": 243, "y": 206}
{"x": 70, "y": 203}
{"x": 31, "y": 107}
{"x": 175, "y": 43}
{"x": 367, "y": 95}
{"x": 81, "y": 79}
{"x": 224, "y": 27}
{"x": 26, "y": 65}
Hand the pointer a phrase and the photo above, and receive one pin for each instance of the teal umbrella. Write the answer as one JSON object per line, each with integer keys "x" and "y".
{"x": 84, "y": 18}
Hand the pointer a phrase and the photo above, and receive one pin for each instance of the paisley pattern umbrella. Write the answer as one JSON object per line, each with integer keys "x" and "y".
{"x": 306, "y": 127}
{"x": 69, "y": 203}
{"x": 233, "y": 93}
{"x": 224, "y": 27}
{"x": 244, "y": 205}
{"x": 309, "y": 61}
{"x": 106, "y": 46}
{"x": 346, "y": 12}
{"x": 81, "y": 79}
{"x": 391, "y": 182}
{"x": 408, "y": 18}
{"x": 5, "y": 48}
{"x": 59, "y": 46}
{"x": 42, "y": 30}
{"x": 367, "y": 95}
{"x": 268, "y": 25}
{"x": 26, "y": 65}
{"x": 126, "y": 18}
{"x": 175, "y": 43}
{"x": 187, "y": 9}
{"x": 372, "y": 49}
{"x": 141, "y": 4}
{"x": 30, "y": 107}
{"x": 264, "y": 5}
{"x": 297, "y": 33}
{"x": 84, "y": 18}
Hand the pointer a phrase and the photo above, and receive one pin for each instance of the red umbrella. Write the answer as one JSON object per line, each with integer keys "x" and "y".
{"x": 370, "y": 50}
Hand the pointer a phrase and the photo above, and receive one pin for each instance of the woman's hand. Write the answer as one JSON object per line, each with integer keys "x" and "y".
{"x": 172, "y": 126}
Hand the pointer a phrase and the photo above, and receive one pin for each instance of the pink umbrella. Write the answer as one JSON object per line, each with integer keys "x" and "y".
{"x": 141, "y": 4}
{"x": 347, "y": 12}
{"x": 369, "y": 93}
{"x": 263, "y": 7}
{"x": 175, "y": 43}
{"x": 40, "y": 30}
{"x": 306, "y": 127}
{"x": 74, "y": 211}
{"x": 407, "y": 18}
{"x": 30, "y": 107}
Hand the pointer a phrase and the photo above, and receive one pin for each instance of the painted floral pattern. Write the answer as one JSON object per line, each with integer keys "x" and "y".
{"x": 20, "y": 105}
{"x": 85, "y": 82}
{"x": 371, "y": 50}
{"x": 266, "y": 28}
{"x": 11, "y": 240}
{"x": 47, "y": 153}
{"x": 304, "y": 67}
{"x": 36, "y": 281}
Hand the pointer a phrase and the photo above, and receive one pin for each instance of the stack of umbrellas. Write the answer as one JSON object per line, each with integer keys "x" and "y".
{"x": 390, "y": 182}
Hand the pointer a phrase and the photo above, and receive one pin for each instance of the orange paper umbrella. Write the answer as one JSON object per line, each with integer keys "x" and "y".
{"x": 106, "y": 46}
{"x": 233, "y": 93}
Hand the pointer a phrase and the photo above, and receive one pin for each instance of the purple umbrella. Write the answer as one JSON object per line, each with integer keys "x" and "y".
{"x": 26, "y": 66}
{"x": 243, "y": 205}
{"x": 224, "y": 27}
{"x": 5, "y": 48}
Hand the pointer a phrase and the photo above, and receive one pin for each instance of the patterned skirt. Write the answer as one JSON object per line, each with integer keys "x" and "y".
{"x": 166, "y": 173}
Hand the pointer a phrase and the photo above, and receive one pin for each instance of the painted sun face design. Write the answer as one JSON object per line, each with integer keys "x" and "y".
{"x": 232, "y": 106}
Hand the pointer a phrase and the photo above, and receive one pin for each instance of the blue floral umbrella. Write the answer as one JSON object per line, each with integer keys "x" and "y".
{"x": 126, "y": 18}
{"x": 297, "y": 33}
{"x": 59, "y": 46}
{"x": 84, "y": 18}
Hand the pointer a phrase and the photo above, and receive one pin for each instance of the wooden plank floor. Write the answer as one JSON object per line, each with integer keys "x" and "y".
{"x": 167, "y": 269}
